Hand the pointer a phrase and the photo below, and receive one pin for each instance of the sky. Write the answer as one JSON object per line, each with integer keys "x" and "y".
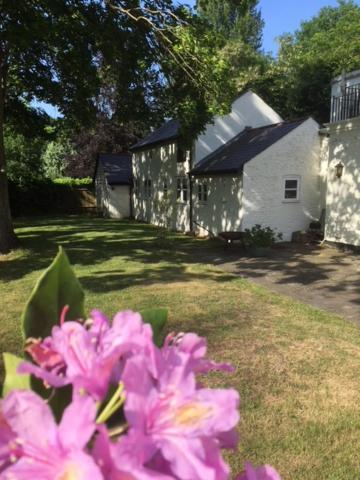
{"x": 280, "y": 16}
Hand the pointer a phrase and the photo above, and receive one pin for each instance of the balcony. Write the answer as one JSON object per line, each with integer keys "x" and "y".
{"x": 347, "y": 105}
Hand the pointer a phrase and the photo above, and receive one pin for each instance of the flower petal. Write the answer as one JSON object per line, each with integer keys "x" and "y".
{"x": 78, "y": 423}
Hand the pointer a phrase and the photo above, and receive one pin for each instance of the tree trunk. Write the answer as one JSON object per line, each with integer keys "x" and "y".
{"x": 8, "y": 239}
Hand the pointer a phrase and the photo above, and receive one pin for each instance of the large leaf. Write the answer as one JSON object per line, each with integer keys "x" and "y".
{"x": 57, "y": 287}
{"x": 157, "y": 318}
{"x": 13, "y": 380}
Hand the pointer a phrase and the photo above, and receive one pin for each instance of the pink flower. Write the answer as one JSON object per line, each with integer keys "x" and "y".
{"x": 183, "y": 423}
{"x": 126, "y": 458}
{"x": 196, "y": 347}
{"x": 261, "y": 473}
{"x": 44, "y": 450}
{"x": 89, "y": 358}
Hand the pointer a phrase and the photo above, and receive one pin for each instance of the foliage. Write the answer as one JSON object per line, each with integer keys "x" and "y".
{"x": 14, "y": 381}
{"x": 298, "y": 82}
{"x": 259, "y": 236}
{"x": 120, "y": 382}
{"x": 236, "y": 20}
{"x": 57, "y": 287}
{"x": 55, "y": 157}
{"x": 44, "y": 196}
{"x": 73, "y": 182}
{"x": 106, "y": 136}
{"x": 23, "y": 156}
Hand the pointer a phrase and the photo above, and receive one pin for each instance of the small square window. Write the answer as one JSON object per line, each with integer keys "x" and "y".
{"x": 291, "y": 189}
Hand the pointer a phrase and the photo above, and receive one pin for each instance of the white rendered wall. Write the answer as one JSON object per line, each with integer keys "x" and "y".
{"x": 343, "y": 195}
{"x": 249, "y": 110}
{"x": 113, "y": 202}
{"x": 223, "y": 209}
{"x": 160, "y": 165}
{"x": 297, "y": 154}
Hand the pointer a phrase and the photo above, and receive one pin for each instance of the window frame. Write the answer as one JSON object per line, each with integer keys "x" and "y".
{"x": 182, "y": 190}
{"x": 285, "y": 189}
{"x": 137, "y": 187}
{"x": 203, "y": 192}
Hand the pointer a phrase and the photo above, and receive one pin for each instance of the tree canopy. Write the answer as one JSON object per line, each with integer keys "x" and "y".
{"x": 234, "y": 19}
{"x": 112, "y": 57}
{"x": 297, "y": 83}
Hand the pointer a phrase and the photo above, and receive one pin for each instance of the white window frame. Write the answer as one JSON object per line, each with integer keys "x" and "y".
{"x": 296, "y": 178}
{"x": 203, "y": 192}
{"x": 182, "y": 186}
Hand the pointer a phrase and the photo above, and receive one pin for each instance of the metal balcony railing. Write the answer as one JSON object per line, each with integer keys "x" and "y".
{"x": 347, "y": 105}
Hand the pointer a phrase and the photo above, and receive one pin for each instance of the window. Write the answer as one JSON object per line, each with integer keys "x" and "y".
{"x": 137, "y": 187}
{"x": 202, "y": 192}
{"x": 182, "y": 190}
{"x": 147, "y": 188}
{"x": 291, "y": 189}
{"x": 181, "y": 155}
{"x": 165, "y": 189}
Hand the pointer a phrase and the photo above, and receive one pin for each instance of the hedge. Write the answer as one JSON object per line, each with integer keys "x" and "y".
{"x": 65, "y": 195}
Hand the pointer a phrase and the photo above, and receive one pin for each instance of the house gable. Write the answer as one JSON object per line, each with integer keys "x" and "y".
{"x": 231, "y": 157}
{"x": 249, "y": 110}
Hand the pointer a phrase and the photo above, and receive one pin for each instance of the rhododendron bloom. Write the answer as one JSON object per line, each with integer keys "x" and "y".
{"x": 196, "y": 347}
{"x": 125, "y": 459}
{"x": 44, "y": 450}
{"x": 89, "y": 356}
{"x": 181, "y": 421}
{"x": 265, "y": 472}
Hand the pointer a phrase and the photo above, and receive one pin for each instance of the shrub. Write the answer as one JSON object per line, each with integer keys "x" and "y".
{"x": 47, "y": 196}
{"x": 259, "y": 236}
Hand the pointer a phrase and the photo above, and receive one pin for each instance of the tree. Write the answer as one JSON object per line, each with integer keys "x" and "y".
{"x": 48, "y": 48}
{"x": 45, "y": 52}
{"x": 298, "y": 82}
{"x": 238, "y": 20}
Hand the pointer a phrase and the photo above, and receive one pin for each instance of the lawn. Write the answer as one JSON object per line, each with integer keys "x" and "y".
{"x": 297, "y": 368}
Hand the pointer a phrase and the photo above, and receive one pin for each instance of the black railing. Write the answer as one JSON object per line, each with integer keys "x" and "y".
{"x": 347, "y": 105}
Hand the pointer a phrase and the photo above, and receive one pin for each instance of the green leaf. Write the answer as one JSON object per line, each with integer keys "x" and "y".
{"x": 14, "y": 380}
{"x": 56, "y": 288}
{"x": 157, "y": 318}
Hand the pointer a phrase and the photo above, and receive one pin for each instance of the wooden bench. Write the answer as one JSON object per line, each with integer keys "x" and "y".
{"x": 231, "y": 237}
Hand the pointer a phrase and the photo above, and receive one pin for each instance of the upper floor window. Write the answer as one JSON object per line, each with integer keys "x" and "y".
{"x": 291, "y": 189}
{"x": 182, "y": 189}
{"x": 202, "y": 192}
{"x": 181, "y": 154}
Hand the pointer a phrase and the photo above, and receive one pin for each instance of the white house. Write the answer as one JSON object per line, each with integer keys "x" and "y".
{"x": 249, "y": 167}
{"x": 113, "y": 181}
{"x": 341, "y": 159}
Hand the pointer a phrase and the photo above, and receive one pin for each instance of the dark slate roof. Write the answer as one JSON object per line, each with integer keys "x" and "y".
{"x": 117, "y": 168}
{"x": 231, "y": 157}
{"x": 169, "y": 131}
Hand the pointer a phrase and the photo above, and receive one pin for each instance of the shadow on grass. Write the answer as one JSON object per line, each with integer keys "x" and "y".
{"x": 89, "y": 242}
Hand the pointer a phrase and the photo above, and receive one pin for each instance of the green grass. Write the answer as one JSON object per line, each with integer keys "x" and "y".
{"x": 297, "y": 367}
